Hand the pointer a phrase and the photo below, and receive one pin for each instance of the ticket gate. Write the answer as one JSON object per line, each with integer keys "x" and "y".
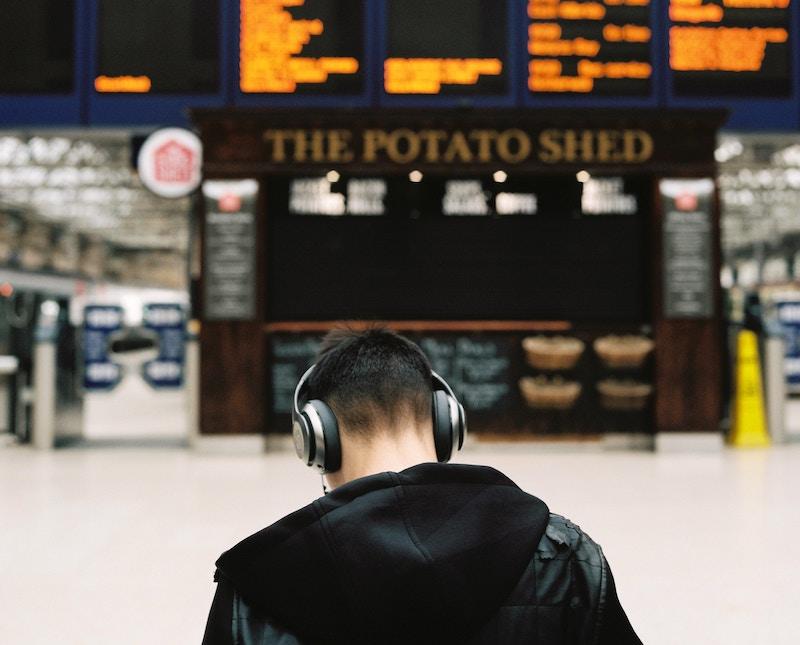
{"x": 57, "y": 395}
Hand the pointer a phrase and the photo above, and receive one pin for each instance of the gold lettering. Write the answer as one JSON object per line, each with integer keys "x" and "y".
{"x": 305, "y": 144}
{"x": 458, "y": 147}
{"x": 637, "y": 146}
{"x": 339, "y": 150}
{"x": 484, "y": 139}
{"x": 278, "y": 139}
{"x": 578, "y": 145}
{"x": 374, "y": 141}
{"x": 412, "y": 145}
{"x": 607, "y": 145}
{"x": 432, "y": 139}
{"x": 550, "y": 150}
{"x": 512, "y": 146}
{"x": 523, "y": 145}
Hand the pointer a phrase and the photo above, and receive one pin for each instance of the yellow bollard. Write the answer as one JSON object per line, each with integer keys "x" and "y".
{"x": 749, "y": 416}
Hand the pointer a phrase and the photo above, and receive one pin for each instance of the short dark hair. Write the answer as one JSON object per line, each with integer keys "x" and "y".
{"x": 372, "y": 377}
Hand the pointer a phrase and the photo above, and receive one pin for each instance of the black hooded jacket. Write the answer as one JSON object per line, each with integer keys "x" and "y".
{"x": 434, "y": 554}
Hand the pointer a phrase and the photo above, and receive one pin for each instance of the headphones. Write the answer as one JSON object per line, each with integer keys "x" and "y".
{"x": 315, "y": 429}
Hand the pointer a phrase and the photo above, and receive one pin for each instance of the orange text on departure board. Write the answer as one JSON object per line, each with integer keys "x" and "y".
{"x": 126, "y": 84}
{"x": 547, "y": 45}
{"x": 427, "y": 75}
{"x": 714, "y": 47}
{"x": 271, "y": 43}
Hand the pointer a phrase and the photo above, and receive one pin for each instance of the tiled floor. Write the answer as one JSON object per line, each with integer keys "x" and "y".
{"x": 116, "y": 546}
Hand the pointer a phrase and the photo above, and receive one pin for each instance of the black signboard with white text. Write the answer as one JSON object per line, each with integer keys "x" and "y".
{"x": 688, "y": 262}
{"x": 230, "y": 257}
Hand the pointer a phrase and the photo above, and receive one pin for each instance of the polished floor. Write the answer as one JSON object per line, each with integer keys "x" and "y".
{"x": 117, "y": 546}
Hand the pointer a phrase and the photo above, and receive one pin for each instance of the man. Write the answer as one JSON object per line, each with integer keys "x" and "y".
{"x": 405, "y": 549}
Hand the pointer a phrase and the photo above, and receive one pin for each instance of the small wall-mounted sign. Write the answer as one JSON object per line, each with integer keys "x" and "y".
{"x": 169, "y": 162}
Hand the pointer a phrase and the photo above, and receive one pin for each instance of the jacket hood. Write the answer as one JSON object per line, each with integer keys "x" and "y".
{"x": 425, "y": 555}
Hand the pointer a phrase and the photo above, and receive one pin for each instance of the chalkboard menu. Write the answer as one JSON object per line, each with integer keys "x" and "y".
{"x": 229, "y": 244}
{"x": 477, "y": 367}
{"x": 489, "y": 371}
{"x": 730, "y": 48}
{"x": 307, "y": 47}
{"x": 590, "y": 48}
{"x": 290, "y": 356}
{"x": 449, "y": 47}
{"x": 688, "y": 261}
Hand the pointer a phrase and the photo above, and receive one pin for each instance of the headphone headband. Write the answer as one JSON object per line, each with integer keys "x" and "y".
{"x": 316, "y": 430}
{"x": 302, "y": 385}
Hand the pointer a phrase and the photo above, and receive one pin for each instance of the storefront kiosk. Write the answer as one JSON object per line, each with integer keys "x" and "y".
{"x": 560, "y": 268}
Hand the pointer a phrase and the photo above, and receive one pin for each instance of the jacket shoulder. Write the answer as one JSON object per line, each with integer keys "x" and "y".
{"x": 565, "y": 539}
{"x": 564, "y": 584}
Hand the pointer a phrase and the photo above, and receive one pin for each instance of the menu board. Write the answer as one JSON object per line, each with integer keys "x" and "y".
{"x": 503, "y": 389}
{"x": 301, "y": 46}
{"x": 157, "y": 47}
{"x": 525, "y": 246}
{"x": 477, "y": 367}
{"x": 290, "y": 355}
{"x": 450, "y": 47}
{"x": 336, "y": 196}
{"x": 600, "y": 48}
{"x": 688, "y": 290}
{"x": 230, "y": 256}
{"x": 730, "y": 47}
{"x": 37, "y": 46}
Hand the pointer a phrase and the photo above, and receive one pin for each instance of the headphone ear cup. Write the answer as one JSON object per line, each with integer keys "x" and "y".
{"x": 442, "y": 426}
{"x": 328, "y": 456}
{"x": 303, "y": 438}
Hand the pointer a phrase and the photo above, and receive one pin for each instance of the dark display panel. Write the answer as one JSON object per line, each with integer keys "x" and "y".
{"x": 416, "y": 263}
{"x": 166, "y": 46}
{"x": 486, "y": 371}
{"x": 302, "y": 46}
{"x": 37, "y": 46}
{"x": 589, "y": 48}
{"x": 731, "y": 48}
{"x": 449, "y": 47}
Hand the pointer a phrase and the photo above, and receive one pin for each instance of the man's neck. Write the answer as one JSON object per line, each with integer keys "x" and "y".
{"x": 391, "y": 449}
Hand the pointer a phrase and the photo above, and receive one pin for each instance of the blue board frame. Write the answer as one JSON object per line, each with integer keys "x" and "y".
{"x": 53, "y": 109}
{"x": 151, "y": 109}
{"x": 365, "y": 99}
{"x": 745, "y": 113}
{"x": 510, "y": 99}
{"x": 657, "y": 60}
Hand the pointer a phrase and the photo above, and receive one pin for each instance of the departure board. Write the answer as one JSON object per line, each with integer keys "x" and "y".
{"x": 301, "y": 46}
{"x": 37, "y": 46}
{"x": 730, "y": 47}
{"x": 162, "y": 46}
{"x": 598, "y": 47}
{"x": 449, "y": 47}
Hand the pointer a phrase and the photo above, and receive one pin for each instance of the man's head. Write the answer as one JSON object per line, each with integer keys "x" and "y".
{"x": 376, "y": 382}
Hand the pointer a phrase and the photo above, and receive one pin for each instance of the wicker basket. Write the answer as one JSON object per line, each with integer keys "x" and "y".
{"x": 552, "y": 352}
{"x": 618, "y": 394}
{"x": 553, "y": 394}
{"x": 623, "y": 351}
